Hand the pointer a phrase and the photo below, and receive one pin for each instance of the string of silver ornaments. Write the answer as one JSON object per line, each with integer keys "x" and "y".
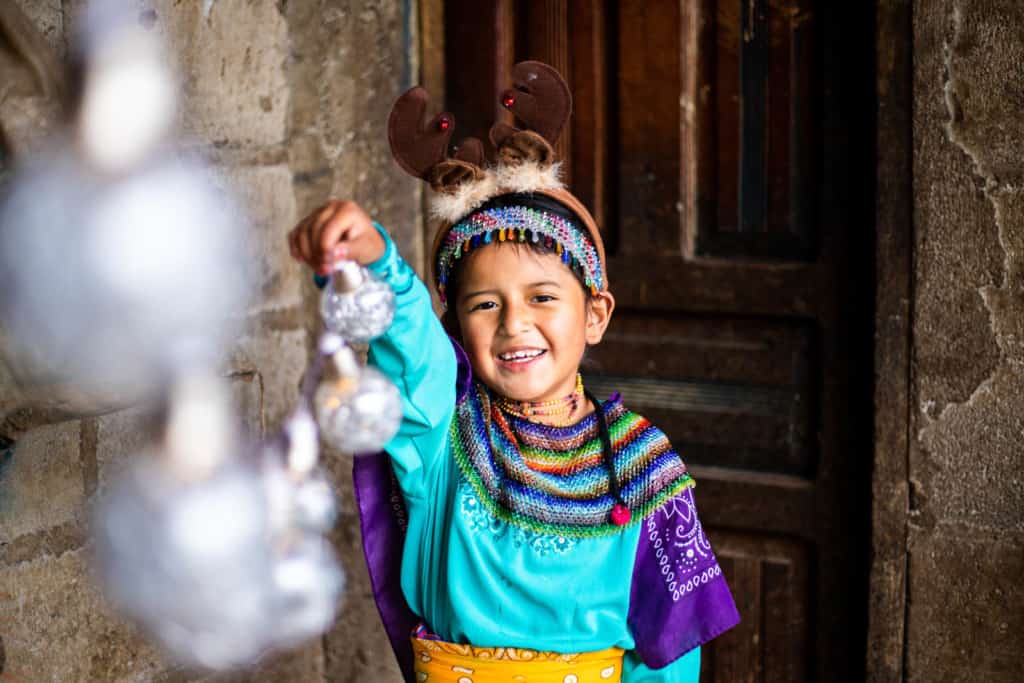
{"x": 213, "y": 543}
{"x": 221, "y": 555}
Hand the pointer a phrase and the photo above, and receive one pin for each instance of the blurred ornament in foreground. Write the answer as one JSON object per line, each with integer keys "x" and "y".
{"x": 356, "y": 304}
{"x": 358, "y": 408}
{"x": 218, "y": 555}
{"x": 119, "y": 265}
{"x": 128, "y": 94}
{"x": 118, "y": 284}
{"x": 181, "y": 539}
{"x": 190, "y": 562}
{"x": 308, "y": 585}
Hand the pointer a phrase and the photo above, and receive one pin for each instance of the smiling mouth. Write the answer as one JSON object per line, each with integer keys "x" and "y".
{"x": 521, "y": 356}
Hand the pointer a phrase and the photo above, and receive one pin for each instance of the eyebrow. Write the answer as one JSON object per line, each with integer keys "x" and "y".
{"x": 479, "y": 292}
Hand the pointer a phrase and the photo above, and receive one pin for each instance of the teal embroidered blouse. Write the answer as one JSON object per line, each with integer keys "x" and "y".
{"x": 472, "y": 577}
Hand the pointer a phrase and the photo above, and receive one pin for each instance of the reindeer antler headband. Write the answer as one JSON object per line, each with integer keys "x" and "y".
{"x": 479, "y": 202}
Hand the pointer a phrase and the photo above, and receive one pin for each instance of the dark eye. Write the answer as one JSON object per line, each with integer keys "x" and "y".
{"x": 543, "y": 298}
{"x": 482, "y": 306}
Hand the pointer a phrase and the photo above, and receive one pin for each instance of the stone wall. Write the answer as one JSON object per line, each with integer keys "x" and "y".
{"x": 965, "y": 606}
{"x": 287, "y": 100}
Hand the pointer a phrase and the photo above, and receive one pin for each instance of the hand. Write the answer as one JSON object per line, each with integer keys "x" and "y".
{"x": 338, "y": 230}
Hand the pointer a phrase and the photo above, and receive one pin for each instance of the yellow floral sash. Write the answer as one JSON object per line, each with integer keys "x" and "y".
{"x": 436, "y": 661}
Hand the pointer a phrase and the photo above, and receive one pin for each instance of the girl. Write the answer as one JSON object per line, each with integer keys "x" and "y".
{"x": 545, "y": 535}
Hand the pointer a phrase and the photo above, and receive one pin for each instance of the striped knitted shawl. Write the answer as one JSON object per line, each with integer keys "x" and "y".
{"x": 554, "y": 479}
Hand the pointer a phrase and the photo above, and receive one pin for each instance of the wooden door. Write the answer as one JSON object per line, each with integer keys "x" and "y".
{"x": 719, "y": 145}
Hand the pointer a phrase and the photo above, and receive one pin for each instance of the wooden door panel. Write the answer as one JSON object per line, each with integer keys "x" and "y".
{"x": 647, "y": 129}
{"x": 736, "y": 350}
{"x": 707, "y": 141}
{"x": 719, "y": 286}
{"x": 772, "y": 576}
{"x": 757, "y": 501}
{"x": 755, "y": 84}
{"x": 717, "y": 128}
{"x": 728, "y": 392}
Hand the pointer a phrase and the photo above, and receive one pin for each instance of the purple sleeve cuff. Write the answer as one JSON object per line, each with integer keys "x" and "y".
{"x": 679, "y": 599}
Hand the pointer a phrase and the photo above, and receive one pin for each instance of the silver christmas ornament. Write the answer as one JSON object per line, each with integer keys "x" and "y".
{"x": 308, "y": 585}
{"x": 356, "y": 304}
{"x": 304, "y": 502}
{"x": 191, "y": 563}
{"x": 315, "y": 507}
{"x": 358, "y": 408}
{"x": 109, "y": 240}
{"x": 217, "y": 553}
{"x": 307, "y": 580}
{"x": 182, "y": 539}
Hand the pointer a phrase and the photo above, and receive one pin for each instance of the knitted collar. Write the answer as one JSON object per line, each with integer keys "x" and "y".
{"x": 554, "y": 479}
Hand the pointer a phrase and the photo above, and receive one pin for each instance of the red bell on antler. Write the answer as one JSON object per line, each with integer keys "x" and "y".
{"x": 421, "y": 147}
{"x": 540, "y": 99}
{"x": 418, "y": 145}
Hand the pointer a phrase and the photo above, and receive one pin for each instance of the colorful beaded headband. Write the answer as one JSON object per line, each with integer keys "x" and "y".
{"x": 520, "y": 224}
{"x": 467, "y": 185}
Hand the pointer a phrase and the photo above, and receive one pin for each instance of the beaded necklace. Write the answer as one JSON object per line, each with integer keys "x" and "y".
{"x": 558, "y": 411}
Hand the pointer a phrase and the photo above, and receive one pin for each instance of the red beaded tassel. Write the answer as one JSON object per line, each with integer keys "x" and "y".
{"x": 621, "y": 514}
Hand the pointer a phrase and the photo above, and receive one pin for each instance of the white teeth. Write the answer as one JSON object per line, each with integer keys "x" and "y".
{"x": 519, "y": 355}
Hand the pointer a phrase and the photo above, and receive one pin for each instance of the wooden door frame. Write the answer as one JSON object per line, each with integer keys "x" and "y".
{"x": 890, "y": 495}
{"x": 894, "y": 230}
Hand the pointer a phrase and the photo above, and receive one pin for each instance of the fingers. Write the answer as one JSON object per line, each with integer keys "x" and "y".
{"x": 293, "y": 246}
{"x": 337, "y": 230}
{"x": 302, "y": 240}
{"x": 305, "y": 246}
{"x": 343, "y": 234}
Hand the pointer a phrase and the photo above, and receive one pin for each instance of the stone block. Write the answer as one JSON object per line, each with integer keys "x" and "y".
{"x": 281, "y": 357}
{"x": 234, "y": 59}
{"x": 41, "y": 484}
{"x": 247, "y": 401}
{"x": 968, "y": 460}
{"x": 124, "y": 435}
{"x": 982, "y": 84}
{"x": 48, "y": 17}
{"x": 954, "y": 351}
{"x": 56, "y": 627}
{"x": 350, "y": 62}
{"x": 266, "y": 202}
{"x": 120, "y": 437}
{"x": 966, "y": 609}
{"x": 356, "y": 647}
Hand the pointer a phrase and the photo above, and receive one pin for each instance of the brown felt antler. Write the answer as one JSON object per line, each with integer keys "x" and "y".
{"x": 540, "y": 98}
{"x": 421, "y": 147}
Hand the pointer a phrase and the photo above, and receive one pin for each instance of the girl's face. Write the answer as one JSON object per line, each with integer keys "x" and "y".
{"x": 525, "y": 321}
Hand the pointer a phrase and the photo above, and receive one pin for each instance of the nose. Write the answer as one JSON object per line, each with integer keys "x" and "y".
{"x": 515, "y": 319}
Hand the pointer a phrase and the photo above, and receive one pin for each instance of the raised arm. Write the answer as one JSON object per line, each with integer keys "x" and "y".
{"x": 415, "y": 352}
{"x": 418, "y": 356}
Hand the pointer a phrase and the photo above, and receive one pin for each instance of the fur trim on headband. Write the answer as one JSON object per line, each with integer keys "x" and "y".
{"x": 451, "y": 207}
{"x": 505, "y": 178}
{"x": 528, "y": 177}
